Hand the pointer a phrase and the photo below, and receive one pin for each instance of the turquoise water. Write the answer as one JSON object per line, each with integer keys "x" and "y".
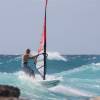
{"x": 79, "y": 77}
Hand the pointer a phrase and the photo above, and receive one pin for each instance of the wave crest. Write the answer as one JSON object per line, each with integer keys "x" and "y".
{"x": 55, "y": 56}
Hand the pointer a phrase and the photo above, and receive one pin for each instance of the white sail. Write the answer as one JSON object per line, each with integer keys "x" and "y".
{"x": 40, "y": 64}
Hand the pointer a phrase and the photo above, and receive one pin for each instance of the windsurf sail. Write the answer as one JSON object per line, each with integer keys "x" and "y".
{"x": 41, "y": 59}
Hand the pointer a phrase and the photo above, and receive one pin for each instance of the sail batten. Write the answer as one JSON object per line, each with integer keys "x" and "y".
{"x": 41, "y": 60}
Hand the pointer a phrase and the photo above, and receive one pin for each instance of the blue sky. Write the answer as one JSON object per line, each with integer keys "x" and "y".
{"x": 72, "y": 26}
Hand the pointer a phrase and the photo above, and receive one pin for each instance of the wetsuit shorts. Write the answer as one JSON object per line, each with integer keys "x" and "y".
{"x": 27, "y": 69}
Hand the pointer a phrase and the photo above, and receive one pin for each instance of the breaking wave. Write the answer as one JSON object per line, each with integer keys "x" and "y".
{"x": 55, "y": 56}
{"x": 70, "y": 91}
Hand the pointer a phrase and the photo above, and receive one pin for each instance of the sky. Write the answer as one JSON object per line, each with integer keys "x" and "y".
{"x": 72, "y": 26}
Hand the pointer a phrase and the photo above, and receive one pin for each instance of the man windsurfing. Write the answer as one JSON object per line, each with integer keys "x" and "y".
{"x": 25, "y": 61}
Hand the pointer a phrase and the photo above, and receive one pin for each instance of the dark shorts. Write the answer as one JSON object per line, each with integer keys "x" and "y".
{"x": 28, "y": 70}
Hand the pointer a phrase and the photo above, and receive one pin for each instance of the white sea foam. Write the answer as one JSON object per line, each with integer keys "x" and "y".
{"x": 69, "y": 91}
{"x": 21, "y": 75}
{"x": 55, "y": 56}
{"x": 97, "y": 64}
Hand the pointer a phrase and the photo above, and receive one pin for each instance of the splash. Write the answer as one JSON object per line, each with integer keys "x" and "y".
{"x": 69, "y": 91}
{"x": 23, "y": 76}
{"x": 97, "y": 64}
{"x": 55, "y": 56}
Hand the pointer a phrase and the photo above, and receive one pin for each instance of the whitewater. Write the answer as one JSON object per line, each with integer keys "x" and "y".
{"x": 79, "y": 77}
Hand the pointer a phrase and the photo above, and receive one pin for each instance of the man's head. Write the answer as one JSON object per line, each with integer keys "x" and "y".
{"x": 28, "y": 51}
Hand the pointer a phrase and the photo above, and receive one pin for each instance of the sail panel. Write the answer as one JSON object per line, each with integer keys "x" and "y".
{"x": 40, "y": 64}
{"x": 41, "y": 59}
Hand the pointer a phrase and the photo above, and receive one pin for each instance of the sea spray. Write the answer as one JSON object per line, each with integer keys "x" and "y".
{"x": 79, "y": 75}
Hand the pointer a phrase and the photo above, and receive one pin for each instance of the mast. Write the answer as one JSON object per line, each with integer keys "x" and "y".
{"x": 45, "y": 31}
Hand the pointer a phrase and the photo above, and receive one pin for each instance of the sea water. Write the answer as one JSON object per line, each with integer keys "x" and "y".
{"x": 79, "y": 77}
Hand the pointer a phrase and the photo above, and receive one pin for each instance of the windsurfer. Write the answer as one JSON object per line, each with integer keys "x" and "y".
{"x": 25, "y": 59}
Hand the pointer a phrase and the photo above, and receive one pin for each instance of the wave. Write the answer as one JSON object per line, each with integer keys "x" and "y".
{"x": 65, "y": 90}
{"x": 86, "y": 72}
{"x": 55, "y": 56}
{"x": 90, "y": 67}
{"x": 97, "y": 64}
{"x": 13, "y": 59}
{"x": 65, "y": 87}
{"x": 69, "y": 91}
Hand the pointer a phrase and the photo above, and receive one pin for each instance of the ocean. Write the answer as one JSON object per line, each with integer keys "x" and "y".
{"x": 79, "y": 77}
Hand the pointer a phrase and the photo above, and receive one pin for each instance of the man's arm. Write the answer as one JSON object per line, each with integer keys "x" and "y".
{"x": 33, "y": 57}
